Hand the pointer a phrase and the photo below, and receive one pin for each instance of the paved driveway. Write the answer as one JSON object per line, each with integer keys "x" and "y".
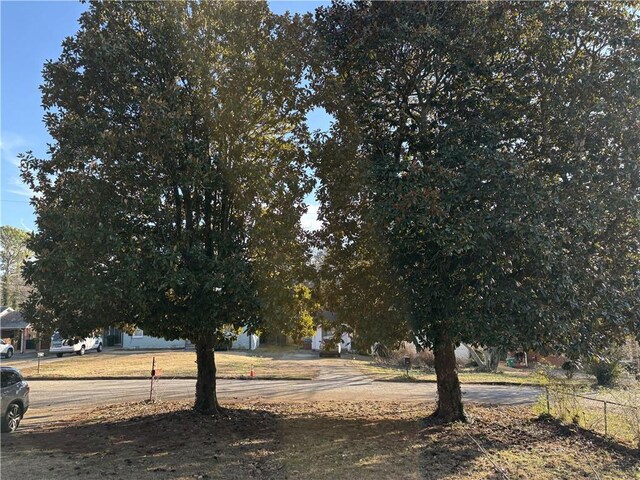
{"x": 338, "y": 381}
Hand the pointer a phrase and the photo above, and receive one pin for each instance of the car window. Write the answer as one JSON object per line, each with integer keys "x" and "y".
{"x": 8, "y": 378}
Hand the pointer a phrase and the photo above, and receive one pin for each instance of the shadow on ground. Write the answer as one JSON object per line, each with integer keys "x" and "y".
{"x": 173, "y": 443}
{"x": 299, "y": 440}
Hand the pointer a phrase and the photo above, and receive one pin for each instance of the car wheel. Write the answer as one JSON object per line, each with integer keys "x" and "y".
{"x": 9, "y": 353}
{"x": 99, "y": 347}
{"x": 58, "y": 355}
{"x": 11, "y": 418}
{"x": 81, "y": 351}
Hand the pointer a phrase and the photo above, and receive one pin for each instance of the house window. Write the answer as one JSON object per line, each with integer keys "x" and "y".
{"x": 138, "y": 333}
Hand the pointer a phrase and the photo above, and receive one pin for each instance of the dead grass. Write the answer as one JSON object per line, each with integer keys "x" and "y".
{"x": 585, "y": 410}
{"x": 326, "y": 440}
{"x": 273, "y": 351}
{"x": 175, "y": 364}
{"x": 270, "y": 362}
{"x": 390, "y": 373}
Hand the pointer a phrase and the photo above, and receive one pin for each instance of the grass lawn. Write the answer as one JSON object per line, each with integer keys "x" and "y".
{"x": 505, "y": 375}
{"x": 510, "y": 376}
{"x": 320, "y": 440}
{"x": 174, "y": 364}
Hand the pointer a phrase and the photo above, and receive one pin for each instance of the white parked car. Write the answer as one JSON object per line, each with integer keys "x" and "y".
{"x": 79, "y": 346}
{"x": 6, "y": 350}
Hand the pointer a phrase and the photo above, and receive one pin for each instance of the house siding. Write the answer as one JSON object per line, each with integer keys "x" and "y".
{"x": 146, "y": 342}
{"x": 246, "y": 342}
{"x": 316, "y": 340}
{"x": 130, "y": 342}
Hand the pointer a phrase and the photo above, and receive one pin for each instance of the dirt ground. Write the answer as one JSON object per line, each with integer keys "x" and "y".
{"x": 299, "y": 440}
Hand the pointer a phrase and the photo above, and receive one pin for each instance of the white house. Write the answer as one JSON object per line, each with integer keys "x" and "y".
{"x": 461, "y": 352}
{"x": 139, "y": 341}
{"x": 14, "y": 329}
{"x": 323, "y": 335}
{"x": 246, "y": 341}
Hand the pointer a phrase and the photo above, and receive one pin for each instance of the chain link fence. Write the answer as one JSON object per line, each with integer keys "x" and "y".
{"x": 605, "y": 416}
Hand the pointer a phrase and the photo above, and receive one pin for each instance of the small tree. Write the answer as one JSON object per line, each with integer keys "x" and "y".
{"x": 293, "y": 315}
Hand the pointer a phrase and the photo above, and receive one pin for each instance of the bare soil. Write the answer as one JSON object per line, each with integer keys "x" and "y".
{"x": 320, "y": 440}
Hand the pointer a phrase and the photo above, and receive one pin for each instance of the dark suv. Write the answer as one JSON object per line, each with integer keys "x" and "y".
{"x": 14, "y": 395}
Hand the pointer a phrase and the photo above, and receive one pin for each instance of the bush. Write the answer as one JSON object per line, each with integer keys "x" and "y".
{"x": 396, "y": 357}
{"x": 631, "y": 367}
{"x": 425, "y": 359}
{"x": 607, "y": 372}
{"x": 569, "y": 368}
{"x": 380, "y": 351}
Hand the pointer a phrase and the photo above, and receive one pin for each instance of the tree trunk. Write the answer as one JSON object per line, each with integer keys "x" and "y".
{"x": 206, "y": 399}
{"x": 5, "y": 289}
{"x": 475, "y": 356}
{"x": 449, "y": 394}
{"x": 491, "y": 358}
{"x": 494, "y": 358}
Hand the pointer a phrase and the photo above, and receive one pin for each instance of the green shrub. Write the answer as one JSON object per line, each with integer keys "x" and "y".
{"x": 607, "y": 372}
{"x": 569, "y": 367}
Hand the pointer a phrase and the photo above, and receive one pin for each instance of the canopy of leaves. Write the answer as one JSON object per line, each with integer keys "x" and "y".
{"x": 293, "y": 319}
{"x": 495, "y": 153}
{"x": 13, "y": 253}
{"x": 177, "y": 168}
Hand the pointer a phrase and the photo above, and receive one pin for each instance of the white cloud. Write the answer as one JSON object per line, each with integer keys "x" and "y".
{"x": 19, "y": 188}
{"x": 310, "y": 220}
{"x": 10, "y": 145}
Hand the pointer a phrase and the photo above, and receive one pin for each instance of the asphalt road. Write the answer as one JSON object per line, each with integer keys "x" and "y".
{"x": 53, "y": 400}
{"x": 338, "y": 380}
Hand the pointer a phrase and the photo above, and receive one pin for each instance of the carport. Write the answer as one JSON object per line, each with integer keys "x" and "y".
{"x": 14, "y": 328}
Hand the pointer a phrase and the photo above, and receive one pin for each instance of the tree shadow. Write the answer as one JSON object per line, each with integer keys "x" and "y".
{"x": 238, "y": 443}
{"x": 556, "y": 427}
{"x": 351, "y": 441}
{"x": 293, "y": 440}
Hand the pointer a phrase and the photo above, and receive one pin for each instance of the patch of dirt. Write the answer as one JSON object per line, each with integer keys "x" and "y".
{"x": 146, "y": 441}
{"x": 504, "y": 442}
{"x": 299, "y": 440}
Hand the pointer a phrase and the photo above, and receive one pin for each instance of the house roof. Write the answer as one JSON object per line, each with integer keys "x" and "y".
{"x": 12, "y": 321}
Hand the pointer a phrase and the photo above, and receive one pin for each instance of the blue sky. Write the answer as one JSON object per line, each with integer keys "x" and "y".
{"x": 31, "y": 34}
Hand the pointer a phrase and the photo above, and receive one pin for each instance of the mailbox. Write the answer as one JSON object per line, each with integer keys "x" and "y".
{"x": 407, "y": 364}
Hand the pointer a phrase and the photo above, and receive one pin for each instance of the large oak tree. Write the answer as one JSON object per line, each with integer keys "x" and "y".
{"x": 492, "y": 152}
{"x": 176, "y": 176}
